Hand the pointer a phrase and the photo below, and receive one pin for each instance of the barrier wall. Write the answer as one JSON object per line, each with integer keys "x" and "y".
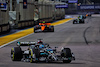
{"x": 4, "y": 28}
{"x": 24, "y": 24}
{"x": 4, "y": 16}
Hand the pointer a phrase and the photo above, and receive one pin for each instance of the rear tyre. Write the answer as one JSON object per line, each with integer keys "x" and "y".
{"x": 34, "y": 30}
{"x": 66, "y": 53}
{"x": 82, "y": 21}
{"x": 52, "y": 30}
{"x": 16, "y": 54}
{"x": 66, "y": 61}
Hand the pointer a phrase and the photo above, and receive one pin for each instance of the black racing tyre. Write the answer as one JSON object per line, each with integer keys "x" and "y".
{"x": 75, "y": 21}
{"x": 31, "y": 57}
{"x": 16, "y": 54}
{"x": 82, "y": 21}
{"x": 84, "y": 17}
{"x": 66, "y": 61}
{"x": 37, "y": 52}
{"x": 66, "y": 52}
{"x": 52, "y": 30}
{"x": 34, "y": 30}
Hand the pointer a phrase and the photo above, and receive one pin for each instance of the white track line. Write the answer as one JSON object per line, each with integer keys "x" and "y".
{"x": 24, "y": 37}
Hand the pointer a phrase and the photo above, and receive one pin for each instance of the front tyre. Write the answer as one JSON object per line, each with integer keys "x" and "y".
{"x": 16, "y": 54}
{"x": 66, "y": 53}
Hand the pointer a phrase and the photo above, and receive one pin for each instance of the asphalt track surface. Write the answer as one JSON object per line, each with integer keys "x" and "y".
{"x": 83, "y": 39}
{"x": 4, "y": 40}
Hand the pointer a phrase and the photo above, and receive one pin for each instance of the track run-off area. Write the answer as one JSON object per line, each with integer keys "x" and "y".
{"x": 82, "y": 39}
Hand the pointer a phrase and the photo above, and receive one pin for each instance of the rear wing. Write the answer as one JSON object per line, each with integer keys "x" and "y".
{"x": 44, "y": 23}
{"x": 25, "y": 43}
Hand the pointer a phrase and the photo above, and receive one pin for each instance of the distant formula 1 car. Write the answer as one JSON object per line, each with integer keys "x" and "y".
{"x": 40, "y": 52}
{"x": 79, "y": 20}
{"x": 44, "y": 27}
{"x": 89, "y": 14}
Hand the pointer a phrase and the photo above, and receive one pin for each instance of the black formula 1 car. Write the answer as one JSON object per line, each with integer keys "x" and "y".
{"x": 40, "y": 52}
{"x": 88, "y": 14}
{"x": 44, "y": 27}
{"x": 80, "y": 20}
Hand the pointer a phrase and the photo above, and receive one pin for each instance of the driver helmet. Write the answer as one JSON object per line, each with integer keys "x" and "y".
{"x": 40, "y": 42}
{"x": 41, "y": 46}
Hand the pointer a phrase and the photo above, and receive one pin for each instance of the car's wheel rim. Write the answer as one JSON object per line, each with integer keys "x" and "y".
{"x": 74, "y": 22}
{"x": 12, "y": 54}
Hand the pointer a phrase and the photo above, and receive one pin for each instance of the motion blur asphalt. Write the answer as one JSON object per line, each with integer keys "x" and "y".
{"x": 65, "y": 35}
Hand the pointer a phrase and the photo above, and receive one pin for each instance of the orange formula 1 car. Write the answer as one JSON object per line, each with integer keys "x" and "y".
{"x": 44, "y": 27}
